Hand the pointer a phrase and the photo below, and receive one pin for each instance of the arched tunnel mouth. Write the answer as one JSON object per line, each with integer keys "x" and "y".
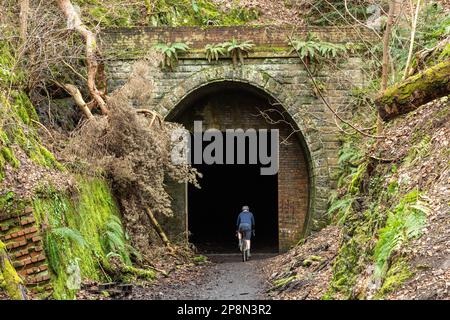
{"x": 212, "y": 210}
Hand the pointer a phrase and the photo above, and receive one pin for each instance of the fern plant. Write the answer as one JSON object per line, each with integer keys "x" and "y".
{"x": 214, "y": 51}
{"x": 419, "y": 151}
{"x": 56, "y": 241}
{"x": 238, "y": 50}
{"x": 171, "y": 52}
{"x": 67, "y": 233}
{"x": 404, "y": 222}
{"x": 114, "y": 240}
{"x": 313, "y": 49}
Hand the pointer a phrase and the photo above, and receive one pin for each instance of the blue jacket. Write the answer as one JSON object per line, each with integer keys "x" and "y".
{"x": 246, "y": 217}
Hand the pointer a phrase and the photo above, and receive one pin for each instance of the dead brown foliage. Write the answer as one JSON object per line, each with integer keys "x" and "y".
{"x": 135, "y": 154}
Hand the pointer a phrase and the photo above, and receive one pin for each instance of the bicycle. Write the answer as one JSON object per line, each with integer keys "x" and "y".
{"x": 243, "y": 247}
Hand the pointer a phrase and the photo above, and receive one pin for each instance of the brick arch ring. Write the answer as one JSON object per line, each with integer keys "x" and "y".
{"x": 316, "y": 157}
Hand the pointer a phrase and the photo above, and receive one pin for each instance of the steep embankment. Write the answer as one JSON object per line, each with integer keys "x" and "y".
{"x": 391, "y": 237}
{"x": 58, "y": 226}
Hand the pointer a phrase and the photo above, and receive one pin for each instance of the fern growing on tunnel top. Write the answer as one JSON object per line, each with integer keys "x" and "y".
{"x": 214, "y": 51}
{"x": 237, "y": 50}
{"x": 313, "y": 49}
{"x": 170, "y": 52}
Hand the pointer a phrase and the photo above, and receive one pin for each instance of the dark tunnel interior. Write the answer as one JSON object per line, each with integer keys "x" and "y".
{"x": 213, "y": 209}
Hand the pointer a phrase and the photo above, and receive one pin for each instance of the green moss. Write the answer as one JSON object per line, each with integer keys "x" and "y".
{"x": 423, "y": 81}
{"x": 10, "y": 281}
{"x": 19, "y": 130}
{"x": 200, "y": 259}
{"x": 350, "y": 261}
{"x": 77, "y": 232}
{"x": 131, "y": 273}
{"x": 10, "y": 205}
{"x": 284, "y": 281}
{"x": 8, "y": 73}
{"x": 398, "y": 273}
{"x": 24, "y": 108}
{"x": 9, "y": 157}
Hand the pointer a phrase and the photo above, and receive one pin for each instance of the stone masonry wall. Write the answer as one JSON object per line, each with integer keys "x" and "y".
{"x": 269, "y": 67}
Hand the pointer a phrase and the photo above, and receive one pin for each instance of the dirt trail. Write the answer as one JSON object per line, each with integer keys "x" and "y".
{"x": 227, "y": 278}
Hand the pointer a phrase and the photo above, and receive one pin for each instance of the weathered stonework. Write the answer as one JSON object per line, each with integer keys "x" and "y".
{"x": 25, "y": 247}
{"x": 269, "y": 68}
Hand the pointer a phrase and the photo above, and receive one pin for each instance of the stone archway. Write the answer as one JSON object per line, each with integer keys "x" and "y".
{"x": 309, "y": 138}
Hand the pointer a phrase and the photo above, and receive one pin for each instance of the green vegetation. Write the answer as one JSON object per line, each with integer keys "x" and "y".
{"x": 377, "y": 221}
{"x": 398, "y": 273}
{"x": 404, "y": 222}
{"x": 326, "y": 12}
{"x": 10, "y": 281}
{"x": 284, "y": 281}
{"x": 17, "y": 119}
{"x": 237, "y": 49}
{"x": 170, "y": 52}
{"x": 214, "y": 51}
{"x": 83, "y": 231}
{"x": 433, "y": 26}
{"x": 200, "y": 259}
{"x": 313, "y": 50}
{"x": 108, "y": 13}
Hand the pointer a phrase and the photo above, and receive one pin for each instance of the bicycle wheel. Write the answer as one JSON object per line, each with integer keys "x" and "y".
{"x": 244, "y": 252}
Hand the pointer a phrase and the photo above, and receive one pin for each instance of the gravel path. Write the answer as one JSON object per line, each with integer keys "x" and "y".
{"x": 226, "y": 278}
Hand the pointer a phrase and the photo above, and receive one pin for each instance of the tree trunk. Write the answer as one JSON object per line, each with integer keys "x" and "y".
{"x": 23, "y": 17}
{"x": 385, "y": 66}
{"x": 414, "y": 18}
{"x": 415, "y": 91}
{"x": 92, "y": 52}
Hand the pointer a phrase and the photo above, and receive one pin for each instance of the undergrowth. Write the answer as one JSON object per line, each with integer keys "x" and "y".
{"x": 18, "y": 119}
{"x": 378, "y": 219}
{"x": 110, "y": 13}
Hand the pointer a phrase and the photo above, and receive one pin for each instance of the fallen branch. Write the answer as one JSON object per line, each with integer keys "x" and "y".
{"x": 408, "y": 95}
{"x": 383, "y": 160}
{"x": 44, "y": 128}
{"x": 76, "y": 95}
{"x": 154, "y": 116}
{"x": 23, "y": 16}
{"x": 160, "y": 231}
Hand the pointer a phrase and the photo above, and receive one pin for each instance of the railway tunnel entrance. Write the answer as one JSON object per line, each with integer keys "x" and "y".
{"x": 279, "y": 201}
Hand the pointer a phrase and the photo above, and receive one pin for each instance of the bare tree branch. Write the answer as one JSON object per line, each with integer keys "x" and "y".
{"x": 92, "y": 51}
